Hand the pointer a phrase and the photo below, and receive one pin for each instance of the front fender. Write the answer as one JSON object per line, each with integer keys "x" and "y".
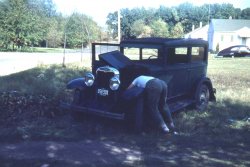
{"x": 76, "y": 84}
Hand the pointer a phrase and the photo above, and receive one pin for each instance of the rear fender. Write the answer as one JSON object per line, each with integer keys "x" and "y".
{"x": 76, "y": 84}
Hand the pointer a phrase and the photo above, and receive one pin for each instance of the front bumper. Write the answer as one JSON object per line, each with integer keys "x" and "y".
{"x": 102, "y": 113}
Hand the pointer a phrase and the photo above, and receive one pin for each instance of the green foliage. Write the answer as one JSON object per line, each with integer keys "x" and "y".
{"x": 28, "y": 23}
{"x": 81, "y": 30}
{"x": 245, "y": 14}
{"x": 47, "y": 80}
{"x": 178, "y": 19}
{"x": 177, "y": 31}
{"x": 139, "y": 29}
{"x": 21, "y": 23}
{"x": 54, "y": 35}
{"x": 159, "y": 28}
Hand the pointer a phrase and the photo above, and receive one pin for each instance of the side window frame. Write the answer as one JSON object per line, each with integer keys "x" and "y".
{"x": 173, "y": 58}
{"x": 201, "y": 54}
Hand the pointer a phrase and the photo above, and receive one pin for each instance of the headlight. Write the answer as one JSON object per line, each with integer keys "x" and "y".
{"x": 114, "y": 83}
{"x": 89, "y": 79}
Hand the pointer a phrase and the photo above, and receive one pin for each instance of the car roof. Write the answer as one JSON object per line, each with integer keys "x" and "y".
{"x": 237, "y": 46}
{"x": 159, "y": 42}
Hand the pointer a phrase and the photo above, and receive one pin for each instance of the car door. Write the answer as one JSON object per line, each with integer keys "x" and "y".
{"x": 197, "y": 66}
{"x": 176, "y": 72}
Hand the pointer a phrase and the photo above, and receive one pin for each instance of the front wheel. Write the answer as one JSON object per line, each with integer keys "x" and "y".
{"x": 202, "y": 97}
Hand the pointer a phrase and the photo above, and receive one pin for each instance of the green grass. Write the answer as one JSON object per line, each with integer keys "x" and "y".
{"x": 229, "y": 116}
{"x": 49, "y": 80}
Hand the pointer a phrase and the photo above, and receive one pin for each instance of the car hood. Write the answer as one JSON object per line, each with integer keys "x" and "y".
{"x": 115, "y": 59}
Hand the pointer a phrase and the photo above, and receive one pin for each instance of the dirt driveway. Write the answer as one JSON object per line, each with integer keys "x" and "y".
{"x": 126, "y": 150}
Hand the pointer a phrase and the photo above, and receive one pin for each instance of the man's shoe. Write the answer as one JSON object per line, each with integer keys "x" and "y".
{"x": 165, "y": 130}
{"x": 174, "y": 133}
{"x": 172, "y": 129}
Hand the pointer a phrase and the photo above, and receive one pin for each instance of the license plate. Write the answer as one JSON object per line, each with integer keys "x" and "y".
{"x": 103, "y": 92}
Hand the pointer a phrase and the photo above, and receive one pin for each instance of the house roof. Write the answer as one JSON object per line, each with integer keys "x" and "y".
{"x": 229, "y": 24}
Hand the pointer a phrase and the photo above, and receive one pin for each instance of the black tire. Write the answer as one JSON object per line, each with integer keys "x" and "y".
{"x": 202, "y": 97}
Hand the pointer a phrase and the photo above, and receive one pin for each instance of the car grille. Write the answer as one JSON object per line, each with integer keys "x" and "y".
{"x": 103, "y": 79}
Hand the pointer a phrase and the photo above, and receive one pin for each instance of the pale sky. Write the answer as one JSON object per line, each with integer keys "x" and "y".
{"x": 99, "y": 9}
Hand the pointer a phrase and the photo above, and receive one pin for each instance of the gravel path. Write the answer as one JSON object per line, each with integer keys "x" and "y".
{"x": 86, "y": 152}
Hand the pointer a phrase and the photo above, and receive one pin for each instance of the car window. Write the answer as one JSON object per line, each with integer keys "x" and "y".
{"x": 147, "y": 53}
{"x": 177, "y": 55}
{"x": 197, "y": 54}
{"x": 235, "y": 49}
{"x": 244, "y": 49}
{"x": 100, "y": 49}
{"x": 132, "y": 53}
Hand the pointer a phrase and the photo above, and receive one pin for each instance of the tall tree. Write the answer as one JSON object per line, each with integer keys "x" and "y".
{"x": 54, "y": 34}
{"x": 81, "y": 30}
{"x": 140, "y": 29}
{"x": 177, "y": 31}
{"x": 245, "y": 14}
{"x": 159, "y": 28}
{"x": 112, "y": 22}
{"x": 20, "y": 23}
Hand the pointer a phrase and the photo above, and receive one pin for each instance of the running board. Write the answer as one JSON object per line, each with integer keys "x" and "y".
{"x": 176, "y": 106}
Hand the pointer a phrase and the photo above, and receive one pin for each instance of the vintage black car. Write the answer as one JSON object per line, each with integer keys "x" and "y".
{"x": 235, "y": 51}
{"x": 181, "y": 63}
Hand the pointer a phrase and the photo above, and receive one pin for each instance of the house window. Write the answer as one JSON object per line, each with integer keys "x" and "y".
{"x": 222, "y": 38}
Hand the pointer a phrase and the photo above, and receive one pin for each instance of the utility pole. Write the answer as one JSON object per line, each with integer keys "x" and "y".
{"x": 64, "y": 47}
{"x": 119, "y": 25}
{"x": 208, "y": 13}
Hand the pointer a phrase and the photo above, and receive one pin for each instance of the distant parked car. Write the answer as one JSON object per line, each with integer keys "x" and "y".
{"x": 235, "y": 51}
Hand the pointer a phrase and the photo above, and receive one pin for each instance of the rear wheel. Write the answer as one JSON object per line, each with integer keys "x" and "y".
{"x": 202, "y": 97}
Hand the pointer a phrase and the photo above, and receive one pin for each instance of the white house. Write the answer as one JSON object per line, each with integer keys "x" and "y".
{"x": 223, "y": 33}
{"x": 200, "y": 32}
